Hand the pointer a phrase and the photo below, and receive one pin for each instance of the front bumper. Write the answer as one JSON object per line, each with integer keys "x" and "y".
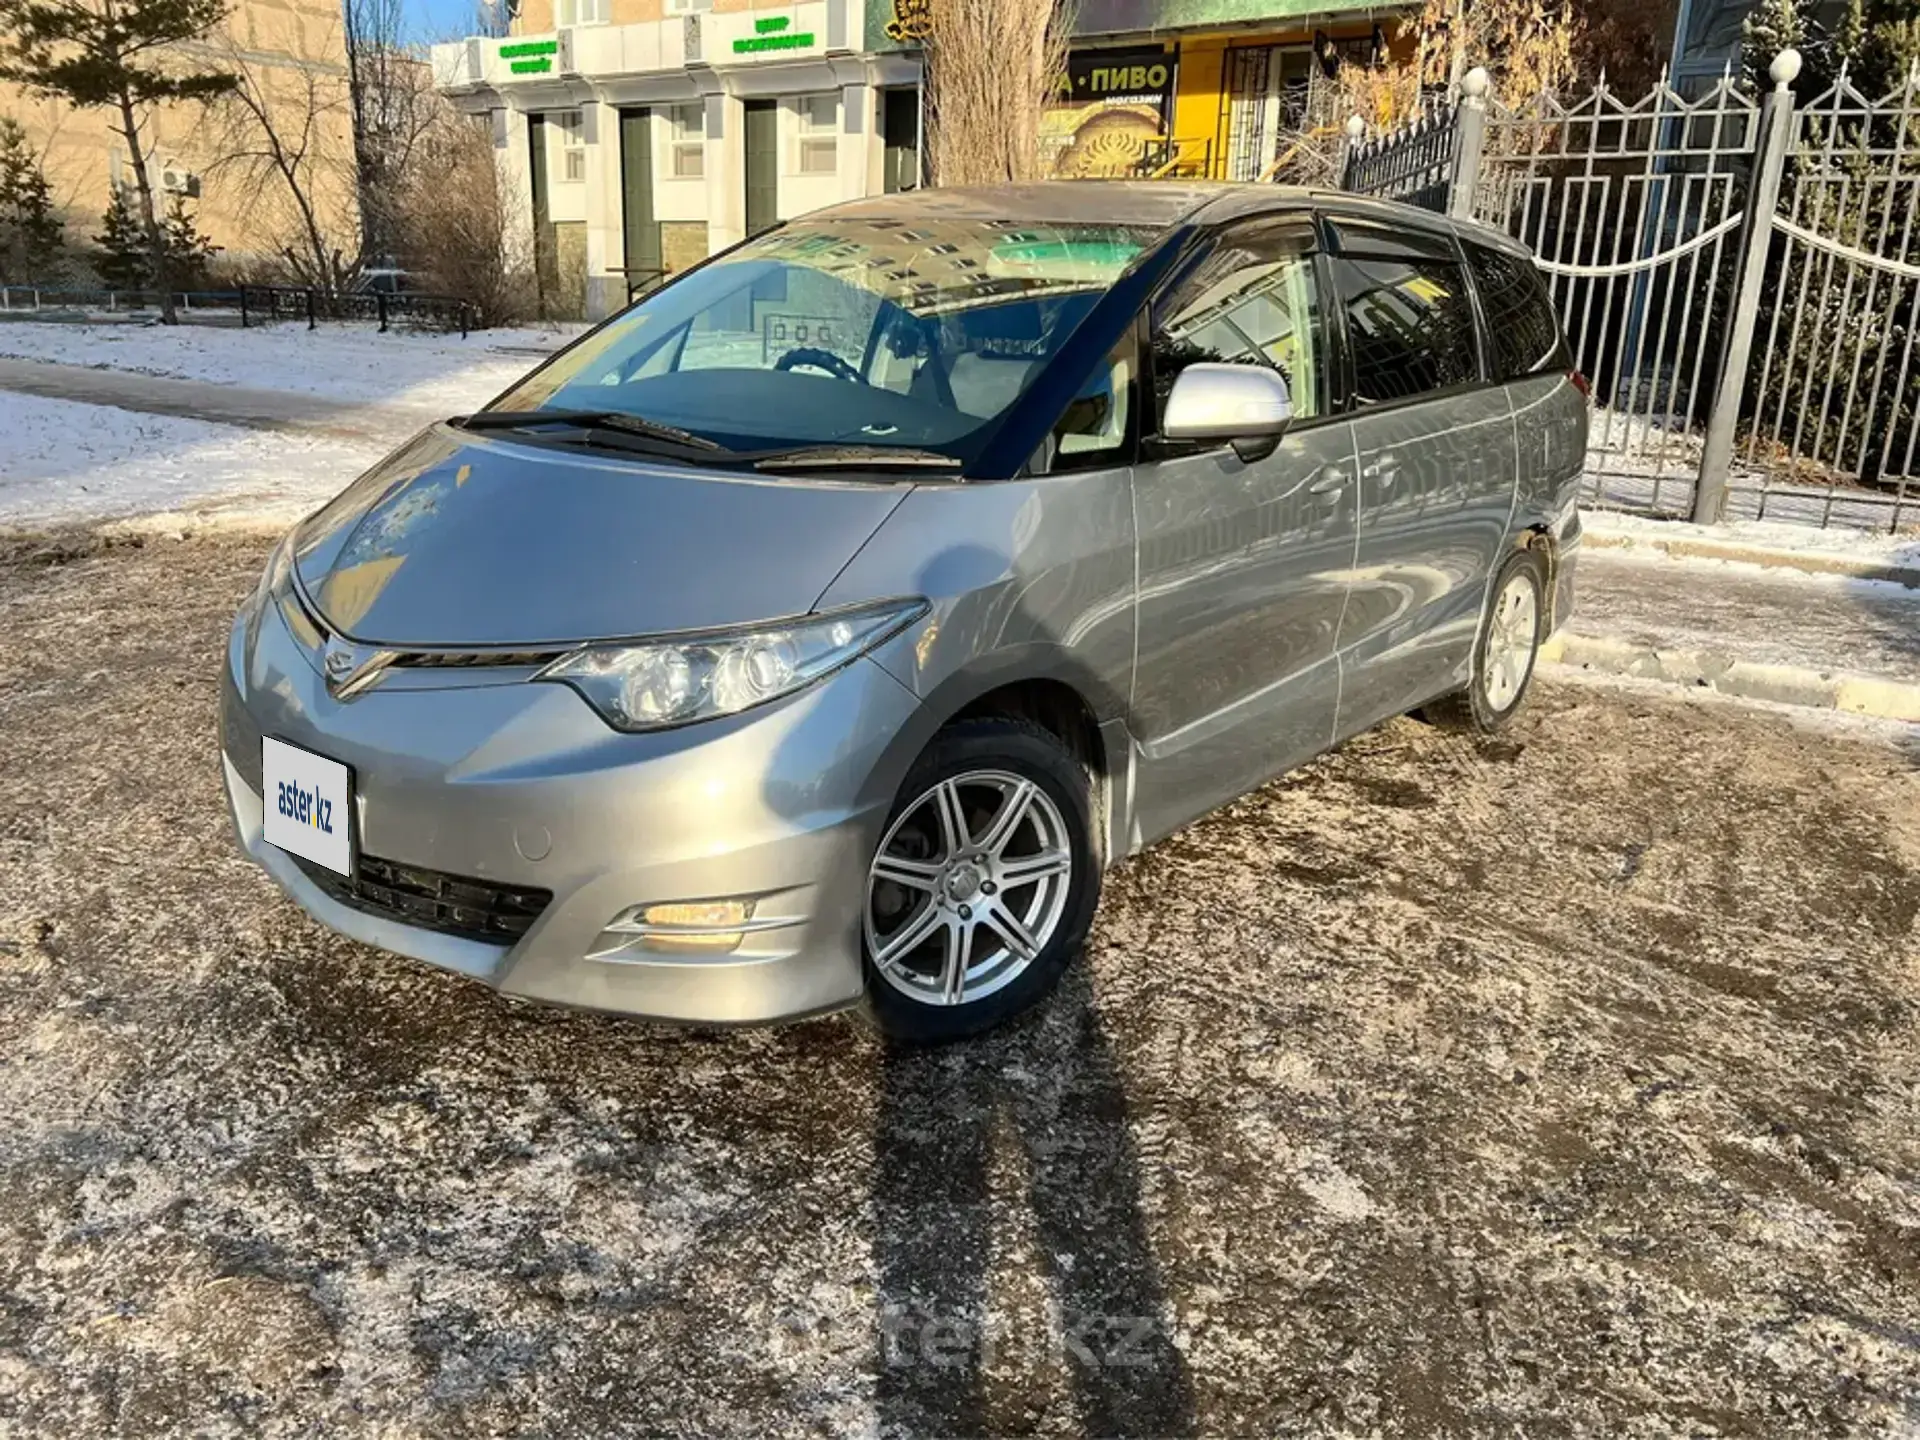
{"x": 522, "y": 784}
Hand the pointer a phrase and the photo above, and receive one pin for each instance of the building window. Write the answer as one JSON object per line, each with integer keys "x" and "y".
{"x": 573, "y": 144}
{"x": 818, "y": 151}
{"x": 688, "y": 7}
{"x": 567, "y": 13}
{"x": 687, "y": 143}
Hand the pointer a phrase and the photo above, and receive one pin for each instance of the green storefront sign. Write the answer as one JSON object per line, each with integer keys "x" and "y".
{"x": 530, "y": 57}
{"x": 773, "y": 33}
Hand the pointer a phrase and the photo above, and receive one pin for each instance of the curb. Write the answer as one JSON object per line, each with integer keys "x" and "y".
{"x": 1807, "y": 562}
{"x": 1745, "y": 679}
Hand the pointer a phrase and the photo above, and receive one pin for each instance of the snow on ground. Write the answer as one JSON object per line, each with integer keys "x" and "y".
{"x": 65, "y": 461}
{"x": 1772, "y": 615}
{"x": 1867, "y": 545}
{"x": 440, "y": 373}
{"x": 1640, "y": 463}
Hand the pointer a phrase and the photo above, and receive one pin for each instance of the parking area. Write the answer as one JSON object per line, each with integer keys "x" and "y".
{"x": 1556, "y": 1083}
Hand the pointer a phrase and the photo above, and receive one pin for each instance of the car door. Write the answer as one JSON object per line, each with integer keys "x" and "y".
{"x": 1434, "y": 438}
{"x": 1243, "y": 563}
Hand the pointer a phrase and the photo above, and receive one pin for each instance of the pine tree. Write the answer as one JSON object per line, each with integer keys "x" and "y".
{"x": 126, "y": 56}
{"x": 1876, "y": 42}
{"x": 189, "y": 253}
{"x": 32, "y": 240}
{"x": 124, "y": 261}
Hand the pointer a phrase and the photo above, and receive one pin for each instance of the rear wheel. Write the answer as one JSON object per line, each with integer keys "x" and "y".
{"x": 1504, "y": 652}
{"x": 984, "y": 884}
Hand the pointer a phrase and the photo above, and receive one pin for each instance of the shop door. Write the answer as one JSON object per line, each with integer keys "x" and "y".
{"x": 763, "y": 165}
{"x": 900, "y": 130}
{"x": 639, "y": 228}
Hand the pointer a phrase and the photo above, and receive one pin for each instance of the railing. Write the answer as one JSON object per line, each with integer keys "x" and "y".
{"x": 251, "y": 304}
{"x": 1414, "y": 164}
{"x": 1166, "y": 157}
{"x": 1738, "y": 274}
{"x": 286, "y": 302}
{"x": 31, "y": 299}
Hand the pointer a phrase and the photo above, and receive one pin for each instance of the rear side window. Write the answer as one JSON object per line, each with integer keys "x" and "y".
{"x": 1252, "y": 302}
{"x": 1522, "y": 332}
{"x": 1409, "y": 326}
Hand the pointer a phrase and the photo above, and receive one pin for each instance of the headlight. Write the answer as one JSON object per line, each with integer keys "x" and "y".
{"x": 278, "y": 564}
{"x": 659, "y": 684}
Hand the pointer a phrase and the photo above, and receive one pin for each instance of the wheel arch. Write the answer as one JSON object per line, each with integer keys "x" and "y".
{"x": 1044, "y": 687}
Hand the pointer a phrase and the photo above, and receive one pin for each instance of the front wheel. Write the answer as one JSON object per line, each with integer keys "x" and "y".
{"x": 984, "y": 884}
{"x": 1504, "y": 651}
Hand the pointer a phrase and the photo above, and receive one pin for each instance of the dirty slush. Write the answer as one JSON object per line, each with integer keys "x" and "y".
{"x": 1559, "y": 1082}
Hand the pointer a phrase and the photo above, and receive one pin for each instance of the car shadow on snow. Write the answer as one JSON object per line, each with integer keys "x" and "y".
{"x": 1018, "y": 1144}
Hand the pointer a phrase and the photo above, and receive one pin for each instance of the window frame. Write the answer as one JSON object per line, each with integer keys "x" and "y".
{"x": 806, "y": 131}
{"x": 1152, "y": 444}
{"x": 1430, "y": 242}
{"x": 570, "y": 128}
{"x": 682, "y": 140}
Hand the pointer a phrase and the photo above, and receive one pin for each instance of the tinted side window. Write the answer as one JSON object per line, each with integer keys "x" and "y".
{"x": 1253, "y": 301}
{"x": 1522, "y": 331}
{"x": 1409, "y": 324}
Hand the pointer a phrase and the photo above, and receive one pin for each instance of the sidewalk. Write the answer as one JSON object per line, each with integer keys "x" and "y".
{"x": 219, "y": 403}
{"x": 1771, "y": 631}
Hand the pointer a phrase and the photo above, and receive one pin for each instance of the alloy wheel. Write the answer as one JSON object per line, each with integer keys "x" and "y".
{"x": 968, "y": 886}
{"x": 1512, "y": 636}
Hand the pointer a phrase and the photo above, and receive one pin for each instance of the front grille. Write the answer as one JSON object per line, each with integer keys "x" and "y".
{"x": 472, "y": 659}
{"x": 431, "y": 900}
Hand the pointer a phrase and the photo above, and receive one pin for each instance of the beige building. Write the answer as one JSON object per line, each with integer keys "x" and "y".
{"x": 639, "y": 136}
{"x": 642, "y": 135}
{"x": 294, "y": 52}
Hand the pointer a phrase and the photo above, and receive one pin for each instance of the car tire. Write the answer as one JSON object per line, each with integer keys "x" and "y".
{"x": 1506, "y": 649}
{"x": 917, "y": 878}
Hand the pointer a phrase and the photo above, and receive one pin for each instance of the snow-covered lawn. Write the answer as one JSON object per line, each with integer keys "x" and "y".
{"x": 62, "y": 461}
{"x": 440, "y": 373}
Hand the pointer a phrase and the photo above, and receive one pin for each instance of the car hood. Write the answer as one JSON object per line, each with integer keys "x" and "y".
{"x": 455, "y": 540}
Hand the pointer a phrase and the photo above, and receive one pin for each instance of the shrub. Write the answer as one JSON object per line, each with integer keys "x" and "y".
{"x": 456, "y": 227}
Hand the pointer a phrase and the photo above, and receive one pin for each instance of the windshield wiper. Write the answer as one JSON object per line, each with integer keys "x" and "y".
{"x": 853, "y": 457}
{"x": 588, "y": 420}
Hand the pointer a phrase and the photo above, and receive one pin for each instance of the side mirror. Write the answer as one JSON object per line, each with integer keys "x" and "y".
{"x": 1247, "y": 405}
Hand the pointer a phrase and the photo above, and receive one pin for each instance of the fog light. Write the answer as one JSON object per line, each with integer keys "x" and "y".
{"x": 701, "y": 914}
{"x": 679, "y": 927}
{"x": 696, "y": 926}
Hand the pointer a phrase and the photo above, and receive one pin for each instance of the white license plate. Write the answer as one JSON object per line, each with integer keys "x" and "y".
{"x": 308, "y": 798}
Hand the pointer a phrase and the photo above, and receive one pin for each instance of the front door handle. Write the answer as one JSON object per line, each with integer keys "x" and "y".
{"x": 1331, "y": 479}
{"x": 1384, "y": 470}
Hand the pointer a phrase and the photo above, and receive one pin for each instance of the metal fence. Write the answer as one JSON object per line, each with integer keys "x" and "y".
{"x": 250, "y": 305}
{"x": 1414, "y": 164}
{"x": 1736, "y": 274}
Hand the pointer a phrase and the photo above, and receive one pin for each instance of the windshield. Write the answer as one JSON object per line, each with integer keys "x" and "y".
{"x": 846, "y": 333}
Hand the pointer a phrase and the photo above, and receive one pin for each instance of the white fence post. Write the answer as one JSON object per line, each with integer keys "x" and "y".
{"x": 1354, "y": 133}
{"x": 1469, "y": 141}
{"x": 1763, "y": 197}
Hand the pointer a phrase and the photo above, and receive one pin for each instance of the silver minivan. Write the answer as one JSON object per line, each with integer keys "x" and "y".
{"x": 815, "y": 632}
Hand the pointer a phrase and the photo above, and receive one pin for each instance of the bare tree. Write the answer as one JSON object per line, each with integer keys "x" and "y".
{"x": 394, "y": 105}
{"x": 284, "y": 131}
{"x": 992, "y": 66}
{"x": 454, "y": 220}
